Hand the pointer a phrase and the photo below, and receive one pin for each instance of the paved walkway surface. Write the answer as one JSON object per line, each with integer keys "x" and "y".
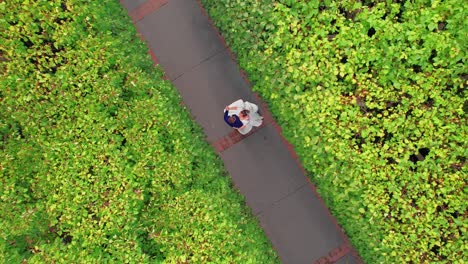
{"x": 263, "y": 166}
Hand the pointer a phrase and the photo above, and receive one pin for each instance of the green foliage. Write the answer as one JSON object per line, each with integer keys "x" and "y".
{"x": 372, "y": 94}
{"x": 99, "y": 162}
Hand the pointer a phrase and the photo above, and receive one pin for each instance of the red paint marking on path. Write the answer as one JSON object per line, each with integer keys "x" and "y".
{"x": 147, "y": 8}
{"x": 334, "y": 255}
{"x": 233, "y": 138}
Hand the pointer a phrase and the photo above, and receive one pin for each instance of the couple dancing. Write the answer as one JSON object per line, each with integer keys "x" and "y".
{"x": 242, "y": 116}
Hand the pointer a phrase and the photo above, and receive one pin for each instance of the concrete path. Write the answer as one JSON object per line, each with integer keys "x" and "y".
{"x": 262, "y": 164}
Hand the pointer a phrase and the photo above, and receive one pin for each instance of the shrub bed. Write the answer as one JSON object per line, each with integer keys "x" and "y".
{"x": 99, "y": 162}
{"x": 372, "y": 94}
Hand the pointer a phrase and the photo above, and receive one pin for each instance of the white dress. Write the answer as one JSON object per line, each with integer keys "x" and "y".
{"x": 254, "y": 120}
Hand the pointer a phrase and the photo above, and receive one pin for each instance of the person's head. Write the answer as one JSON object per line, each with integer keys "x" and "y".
{"x": 244, "y": 113}
{"x": 232, "y": 119}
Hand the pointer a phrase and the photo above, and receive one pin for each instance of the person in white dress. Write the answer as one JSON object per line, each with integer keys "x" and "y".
{"x": 242, "y": 116}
